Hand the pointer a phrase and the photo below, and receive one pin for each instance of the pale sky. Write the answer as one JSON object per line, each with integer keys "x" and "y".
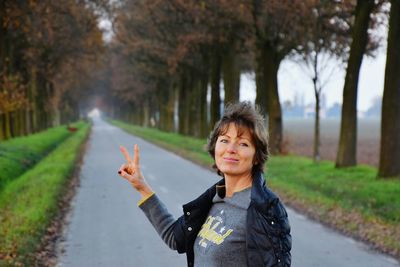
{"x": 292, "y": 79}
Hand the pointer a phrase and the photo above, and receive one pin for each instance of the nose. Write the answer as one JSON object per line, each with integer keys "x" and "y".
{"x": 231, "y": 148}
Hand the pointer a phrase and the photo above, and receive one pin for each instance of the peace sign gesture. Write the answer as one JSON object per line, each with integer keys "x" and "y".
{"x": 131, "y": 171}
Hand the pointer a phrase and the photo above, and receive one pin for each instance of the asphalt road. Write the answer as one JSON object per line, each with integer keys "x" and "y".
{"x": 107, "y": 229}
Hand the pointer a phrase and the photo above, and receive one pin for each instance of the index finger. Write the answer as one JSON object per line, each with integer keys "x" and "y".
{"x": 125, "y": 153}
{"x": 136, "y": 155}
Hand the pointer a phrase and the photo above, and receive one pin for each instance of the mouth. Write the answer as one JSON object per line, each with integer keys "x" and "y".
{"x": 227, "y": 159}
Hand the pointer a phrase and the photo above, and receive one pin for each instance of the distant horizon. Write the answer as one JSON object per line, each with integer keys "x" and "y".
{"x": 330, "y": 118}
{"x": 292, "y": 80}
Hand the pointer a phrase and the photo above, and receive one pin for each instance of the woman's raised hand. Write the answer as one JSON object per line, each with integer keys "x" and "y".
{"x": 131, "y": 172}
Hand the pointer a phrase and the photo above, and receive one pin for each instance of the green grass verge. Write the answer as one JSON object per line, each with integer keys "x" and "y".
{"x": 19, "y": 154}
{"x": 29, "y": 202}
{"x": 350, "y": 188}
{"x": 351, "y": 199}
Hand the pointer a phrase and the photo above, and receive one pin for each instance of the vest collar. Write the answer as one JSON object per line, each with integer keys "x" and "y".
{"x": 260, "y": 194}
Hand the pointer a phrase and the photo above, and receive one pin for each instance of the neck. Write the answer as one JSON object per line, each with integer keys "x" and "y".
{"x": 237, "y": 183}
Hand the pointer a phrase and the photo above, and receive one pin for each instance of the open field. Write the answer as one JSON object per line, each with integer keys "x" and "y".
{"x": 299, "y": 135}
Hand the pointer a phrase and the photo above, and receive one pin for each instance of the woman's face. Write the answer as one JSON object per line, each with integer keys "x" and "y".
{"x": 234, "y": 154}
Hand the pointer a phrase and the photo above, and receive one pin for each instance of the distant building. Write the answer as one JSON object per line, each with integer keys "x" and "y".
{"x": 375, "y": 110}
{"x": 334, "y": 111}
{"x": 298, "y": 109}
{"x": 290, "y": 110}
{"x": 309, "y": 109}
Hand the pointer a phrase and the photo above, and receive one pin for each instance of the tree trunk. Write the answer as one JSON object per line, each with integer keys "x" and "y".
{"x": 15, "y": 129}
{"x": 2, "y": 126}
{"x": 54, "y": 99}
{"x": 169, "y": 126}
{"x": 317, "y": 143}
{"x": 190, "y": 88}
{"x": 133, "y": 114}
{"x": 203, "y": 129}
{"x": 21, "y": 131}
{"x": 7, "y": 125}
{"x": 261, "y": 89}
{"x": 145, "y": 110}
{"x": 193, "y": 107}
{"x": 33, "y": 83}
{"x": 162, "y": 102}
{"x": 390, "y": 131}
{"x": 231, "y": 75}
{"x": 182, "y": 104}
{"x": 275, "y": 125}
{"x": 41, "y": 104}
{"x": 166, "y": 99}
{"x": 215, "y": 105}
{"x": 346, "y": 155}
{"x": 28, "y": 121}
{"x": 154, "y": 111}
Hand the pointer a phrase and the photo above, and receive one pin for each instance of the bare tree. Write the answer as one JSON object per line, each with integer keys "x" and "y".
{"x": 390, "y": 131}
{"x": 346, "y": 154}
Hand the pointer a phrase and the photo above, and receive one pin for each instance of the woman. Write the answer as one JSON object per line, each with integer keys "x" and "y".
{"x": 236, "y": 222}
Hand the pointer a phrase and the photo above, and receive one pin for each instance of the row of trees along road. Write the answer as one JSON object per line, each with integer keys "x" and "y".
{"x": 164, "y": 55}
{"x": 167, "y": 53}
{"x": 48, "y": 50}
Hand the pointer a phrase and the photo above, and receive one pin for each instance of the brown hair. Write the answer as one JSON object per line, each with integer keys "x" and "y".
{"x": 244, "y": 116}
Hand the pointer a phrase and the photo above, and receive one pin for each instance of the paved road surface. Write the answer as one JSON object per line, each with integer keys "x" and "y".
{"x": 107, "y": 229}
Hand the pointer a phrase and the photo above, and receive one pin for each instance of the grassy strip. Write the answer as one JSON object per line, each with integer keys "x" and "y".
{"x": 353, "y": 200}
{"x": 28, "y": 203}
{"x": 19, "y": 154}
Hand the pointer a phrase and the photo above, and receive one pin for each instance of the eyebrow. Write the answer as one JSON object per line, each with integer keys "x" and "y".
{"x": 240, "y": 137}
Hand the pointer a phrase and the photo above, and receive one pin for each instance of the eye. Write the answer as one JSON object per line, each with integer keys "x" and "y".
{"x": 244, "y": 144}
{"x": 223, "y": 141}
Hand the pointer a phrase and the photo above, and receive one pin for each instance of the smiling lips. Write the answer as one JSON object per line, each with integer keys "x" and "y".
{"x": 232, "y": 160}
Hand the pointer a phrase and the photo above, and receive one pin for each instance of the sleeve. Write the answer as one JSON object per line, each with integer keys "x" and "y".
{"x": 162, "y": 221}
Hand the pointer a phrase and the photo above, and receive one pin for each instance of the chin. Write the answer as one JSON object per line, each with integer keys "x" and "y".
{"x": 232, "y": 173}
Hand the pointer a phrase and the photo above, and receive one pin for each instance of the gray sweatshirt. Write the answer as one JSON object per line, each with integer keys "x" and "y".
{"x": 222, "y": 238}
